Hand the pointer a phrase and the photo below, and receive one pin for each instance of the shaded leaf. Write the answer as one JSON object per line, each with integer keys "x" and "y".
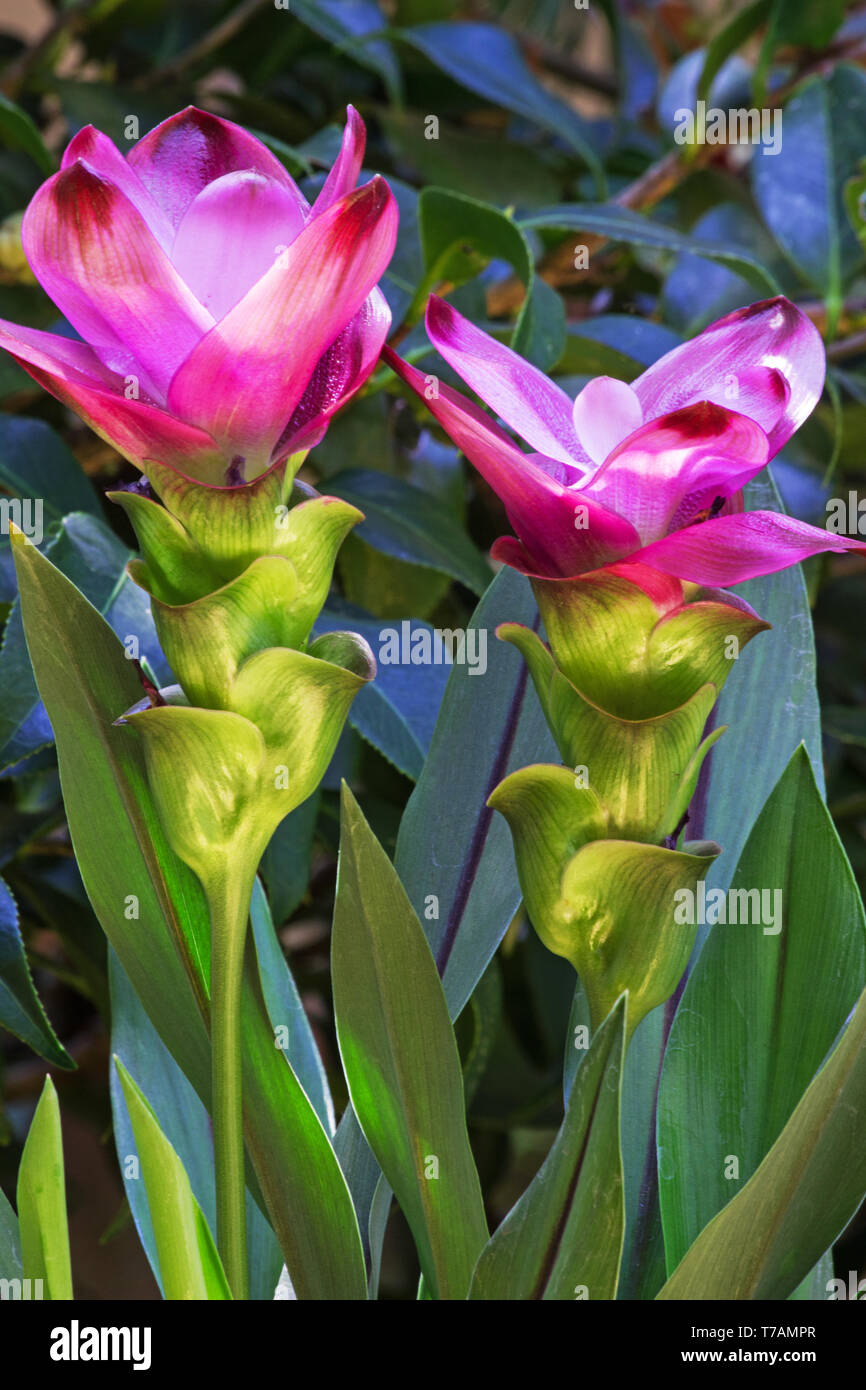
{"x": 802, "y": 1196}
{"x": 401, "y": 1061}
{"x": 21, "y": 1009}
{"x": 563, "y": 1238}
{"x": 762, "y": 1007}
{"x": 188, "y": 1261}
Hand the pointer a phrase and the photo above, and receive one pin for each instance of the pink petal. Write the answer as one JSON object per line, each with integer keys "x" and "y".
{"x": 246, "y": 377}
{"x": 666, "y": 592}
{"x": 73, "y": 373}
{"x": 180, "y": 157}
{"x": 231, "y": 234}
{"x": 339, "y": 373}
{"x": 528, "y": 401}
{"x": 671, "y": 469}
{"x": 742, "y": 352}
{"x": 605, "y": 412}
{"x": 102, "y": 157}
{"x": 561, "y": 531}
{"x": 49, "y": 352}
{"x": 346, "y": 167}
{"x": 93, "y": 253}
{"x": 731, "y": 549}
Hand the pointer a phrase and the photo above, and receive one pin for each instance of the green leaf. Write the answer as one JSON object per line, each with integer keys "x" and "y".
{"x": 539, "y": 334}
{"x": 401, "y": 1061}
{"x": 185, "y": 1124}
{"x": 35, "y": 462}
{"x": 800, "y": 190}
{"x": 450, "y": 842}
{"x": 453, "y": 855}
{"x": 42, "y": 476}
{"x": 189, "y": 1265}
{"x": 788, "y": 987}
{"x": 403, "y": 521}
{"x": 768, "y": 1237}
{"x": 729, "y": 39}
{"x": 397, "y": 711}
{"x": 92, "y": 557}
{"x": 563, "y": 1238}
{"x": 621, "y": 224}
{"x": 21, "y": 1009}
{"x": 286, "y": 1012}
{"x": 41, "y": 1201}
{"x": 86, "y": 683}
{"x": 803, "y": 22}
{"x": 487, "y": 60}
{"x": 350, "y": 28}
{"x": 459, "y": 236}
{"x": 478, "y": 165}
{"x": 10, "y": 1240}
{"x": 696, "y": 293}
{"x": 286, "y": 862}
{"x": 19, "y": 133}
{"x": 587, "y": 357}
{"x": 769, "y": 705}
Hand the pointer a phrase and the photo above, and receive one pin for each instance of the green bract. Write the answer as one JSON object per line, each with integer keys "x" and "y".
{"x": 236, "y": 578}
{"x": 627, "y": 687}
{"x": 635, "y": 655}
{"x": 607, "y": 905}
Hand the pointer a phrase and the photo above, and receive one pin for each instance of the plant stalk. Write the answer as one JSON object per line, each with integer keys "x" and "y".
{"x": 229, "y": 917}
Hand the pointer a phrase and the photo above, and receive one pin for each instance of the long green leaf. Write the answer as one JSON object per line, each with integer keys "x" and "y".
{"x": 188, "y": 1261}
{"x": 762, "y": 1008}
{"x": 563, "y": 1238}
{"x": 454, "y": 856}
{"x": 621, "y": 224}
{"x": 729, "y": 39}
{"x": 403, "y": 521}
{"x": 152, "y": 911}
{"x": 42, "y": 1201}
{"x": 185, "y": 1124}
{"x": 802, "y": 1196}
{"x": 19, "y": 133}
{"x": 401, "y": 1060}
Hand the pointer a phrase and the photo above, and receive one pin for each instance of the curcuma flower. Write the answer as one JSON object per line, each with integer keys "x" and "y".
{"x": 222, "y": 319}
{"x": 644, "y": 477}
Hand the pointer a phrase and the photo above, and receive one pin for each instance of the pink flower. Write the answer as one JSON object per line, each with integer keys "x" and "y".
{"x": 648, "y": 474}
{"x": 223, "y": 319}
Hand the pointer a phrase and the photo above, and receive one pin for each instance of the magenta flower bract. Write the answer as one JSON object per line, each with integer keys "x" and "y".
{"x": 649, "y": 474}
{"x": 223, "y": 319}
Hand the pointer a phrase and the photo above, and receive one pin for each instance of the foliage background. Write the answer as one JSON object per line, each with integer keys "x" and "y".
{"x": 544, "y": 111}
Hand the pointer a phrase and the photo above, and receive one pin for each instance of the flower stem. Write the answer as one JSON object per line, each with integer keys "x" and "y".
{"x": 229, "y": 914}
